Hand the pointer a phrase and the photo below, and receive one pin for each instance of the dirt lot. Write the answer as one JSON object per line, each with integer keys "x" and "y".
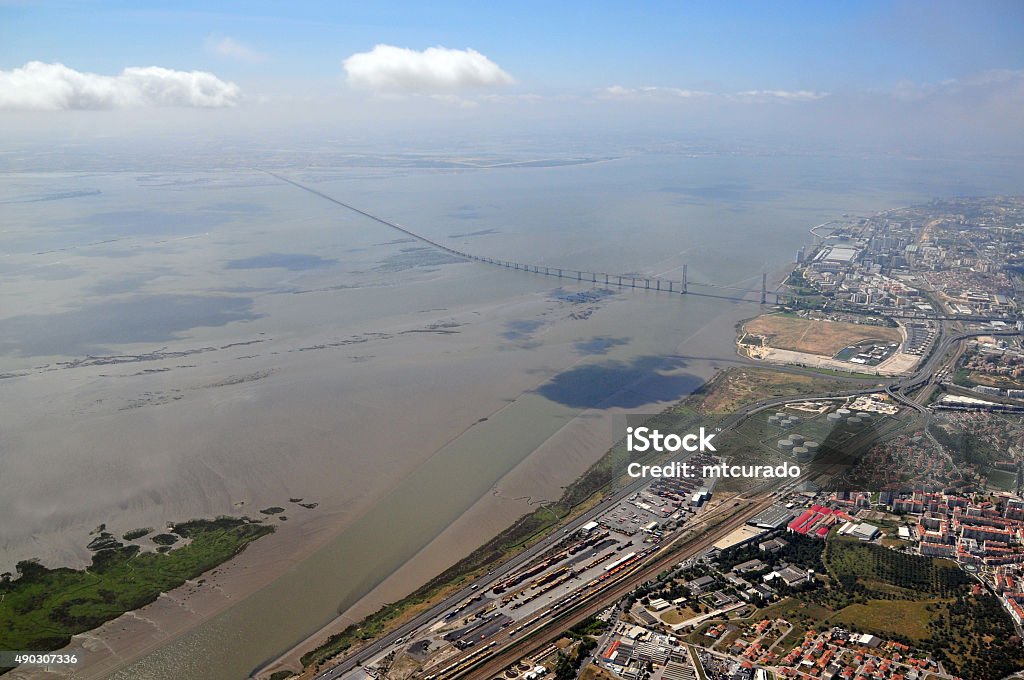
{"x": 735, "y": 387}
{"x": 593, "y": 672}
{"x": 823, "y": 338}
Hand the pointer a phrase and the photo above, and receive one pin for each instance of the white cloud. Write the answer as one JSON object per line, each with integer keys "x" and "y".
{"x": 54, "y": 87}
{"x": 782, "y": 95}
{"x": 983, "y": 86}
{"x": 435, "y": 70}
{"x": 501, "y": 98}
{"x": 669, "y": 93}
{"x": 655, "y": 91}
{"x": 232, "y": 49}
{"x": 617, "y": 91}
{"x": 455, "y": 100}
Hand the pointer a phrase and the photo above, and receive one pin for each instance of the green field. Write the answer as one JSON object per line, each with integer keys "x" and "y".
{"x": 923, "y": 601}
{"x": 888, "y": 618}
{"x": 731, "y": 389}
{"x": 1001, "y": 479}
{"x": 861, "y": 566}
{"x": 42, "y": 608}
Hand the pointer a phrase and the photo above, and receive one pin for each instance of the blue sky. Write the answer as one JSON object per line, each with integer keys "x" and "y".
{"x": 935, "y": 73}
{"x": 545, "y": 45}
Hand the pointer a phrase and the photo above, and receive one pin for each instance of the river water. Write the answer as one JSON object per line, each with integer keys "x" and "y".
{"x": 446, "y": 417}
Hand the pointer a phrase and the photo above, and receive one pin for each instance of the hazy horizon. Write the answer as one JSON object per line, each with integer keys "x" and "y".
{"x": 909, "y": 79}
{"x": 186, "y": 336}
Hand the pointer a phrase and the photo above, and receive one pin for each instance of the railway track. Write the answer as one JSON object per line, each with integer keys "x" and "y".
{"x": 506, "y": 650}
{"x": 545, "y": 630}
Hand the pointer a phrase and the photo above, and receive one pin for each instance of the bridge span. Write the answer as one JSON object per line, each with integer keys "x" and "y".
{"x": 657, "y": 284}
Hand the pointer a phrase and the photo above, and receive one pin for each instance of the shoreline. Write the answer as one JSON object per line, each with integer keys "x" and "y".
{"x": 174, "y": 618}
{"x": 532, "y": 473}
{"x": 506, "y": 502}
{"x": 168, "y": 627}
{"x": 165, "y": 629}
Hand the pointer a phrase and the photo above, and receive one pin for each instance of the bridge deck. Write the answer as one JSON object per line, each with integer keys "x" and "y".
{"x": 681, "y": 286}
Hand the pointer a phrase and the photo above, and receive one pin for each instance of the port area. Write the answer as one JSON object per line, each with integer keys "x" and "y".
{"x": 589, "y": 558}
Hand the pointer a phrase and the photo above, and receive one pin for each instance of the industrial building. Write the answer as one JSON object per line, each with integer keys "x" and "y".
{"x": 774, "y": 517}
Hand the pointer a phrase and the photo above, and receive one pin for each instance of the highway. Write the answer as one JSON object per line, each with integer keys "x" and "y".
{"x": 923, "y": 377}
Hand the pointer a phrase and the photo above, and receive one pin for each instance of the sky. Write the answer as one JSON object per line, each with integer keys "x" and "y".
{"x": 948, "y": 72}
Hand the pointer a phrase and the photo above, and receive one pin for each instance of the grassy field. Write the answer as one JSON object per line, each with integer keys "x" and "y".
{"x": 1001, "y": 479}
{"x": 736, "y": 387}
{"x": 972, "y": 635}
{"x": 922, "y": 601}
{"x": 872, "y": 567}
{"x": 593, "y": 672}
{"x": 43, "y": 608}
{"x": 889, "y": 618}
{"x": 824, "y": 338}
{"x": 1001, "y": 381}
{"x": 678, "y": 615}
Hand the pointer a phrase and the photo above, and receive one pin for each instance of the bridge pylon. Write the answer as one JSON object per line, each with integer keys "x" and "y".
{"x": 683, "y": 289}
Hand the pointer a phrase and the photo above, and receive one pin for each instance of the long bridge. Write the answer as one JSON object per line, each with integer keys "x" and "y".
{"x": 679, "y": 286}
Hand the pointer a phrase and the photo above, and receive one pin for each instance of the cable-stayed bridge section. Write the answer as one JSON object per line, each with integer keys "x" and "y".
{"x": 679, "y": 286}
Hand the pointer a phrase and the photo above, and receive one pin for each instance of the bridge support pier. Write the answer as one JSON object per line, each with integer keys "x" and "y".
{"x": 683, "y": 289}
{"x": 764, "y": 288}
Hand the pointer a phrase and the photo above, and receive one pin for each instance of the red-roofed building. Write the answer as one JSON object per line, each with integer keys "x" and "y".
{"x": 816, "y": 520}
